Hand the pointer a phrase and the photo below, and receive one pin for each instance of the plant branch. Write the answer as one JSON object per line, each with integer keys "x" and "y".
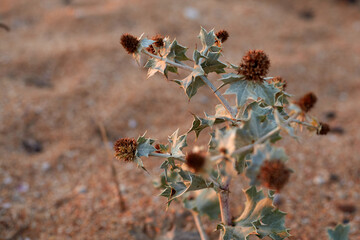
{"x": 224, "y": 203}
{"x": 199, "y": 225}
{"x": 304, "y": 123}
{"x": 222, "y": 100}
{"x": 166, "y": 155}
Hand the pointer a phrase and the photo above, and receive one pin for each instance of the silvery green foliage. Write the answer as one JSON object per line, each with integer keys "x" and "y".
{"x": 206, "y": 203}
{"x": 246, "y": 90}
{"x": 340, "y": 232}
{"x": 143, "y": 149}
{"x": 262, "y": 110}
{"x": 170, "y": 51}
{"x": 259, "y": 217}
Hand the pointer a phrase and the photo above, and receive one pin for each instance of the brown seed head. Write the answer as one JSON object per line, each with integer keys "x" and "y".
{"x": 307, "y": 101}
{"x": 324, "y": 129}
{"x": 255, "y": 65}
{"x": 158, "y": 148}
{"x": 129, "y": 42}
{"x": 274, "y": 174}
{"x": 150, "y": 49}
{"x": 277, "y": 80}
{"x": 196, "y": 161}
{"x": 159, "y": 40}
{"x": 222, "y": 35}
{"x": 125, "y": 149}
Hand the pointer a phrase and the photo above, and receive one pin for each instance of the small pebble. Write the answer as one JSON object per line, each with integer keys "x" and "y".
{"x": 7, "y": 180}
{"x": 334, "y": 178}
{"x": 81, "y": 189}
{"x": 330, "y": 115}
{"x": 319, "y": 180}
{"x": 191, "y": 13}
{"x": 307, "y": 14}
{"x": 6, "y": 205}
{"x": 45, "y": 166}
{"x": 346, "y": 207}
{"x": 23, "y": 187}
{"x": 132, "y": 123}
{"x": 337, "y": 130}
{"x": 32, "y": 145}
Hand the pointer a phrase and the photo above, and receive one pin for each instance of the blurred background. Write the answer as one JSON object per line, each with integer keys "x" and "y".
{"x": 65, "y": 83}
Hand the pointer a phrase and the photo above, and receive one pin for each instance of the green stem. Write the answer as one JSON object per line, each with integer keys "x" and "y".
{"x": 166, "y": 155}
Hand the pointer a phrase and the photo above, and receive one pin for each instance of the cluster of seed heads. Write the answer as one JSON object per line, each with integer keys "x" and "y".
{"x": 254, "y": 66}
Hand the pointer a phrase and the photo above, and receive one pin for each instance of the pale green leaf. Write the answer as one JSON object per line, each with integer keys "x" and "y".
{"x": 207, "y": 39}
{"x": 192, "y": 82}
{"x": 212, "y": 64}
{"x": 340, "y": 232}
{"x": 245, "y": 90}
{"x": 206, "y": 202}
{"x": 144, "y": 147}
{"x": 177, "y": 144}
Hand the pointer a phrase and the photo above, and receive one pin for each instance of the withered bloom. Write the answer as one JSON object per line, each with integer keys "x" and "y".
{"x": 129, "y": 42}
{"x": 307, "y": 101}
{"x": 150, "y": 49}
{"x": 255, "y": 65}
{"x": 158, "y": 148}
{"x": 277, "y": 80}
{"x": 125, "y": 149}
{"x": 324, "y": 129}
{"x": 274, "y": 174}
{"x": 222, "y": 35}
{"x": 159, "y": 40}
{"x": 196, "y": 161}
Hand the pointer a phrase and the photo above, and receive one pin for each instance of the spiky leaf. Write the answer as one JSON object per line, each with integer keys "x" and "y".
{"x": 177, "y": 144}
{"x": 207, "y": 39}
{"x": 192, "y": 82}
{"x": 212, "y": 64}
{"x": 144, "y": 147}
{"x": 245, "y": 90}
{"x": 340, "y": 232}
{"x": 259, "y": 217}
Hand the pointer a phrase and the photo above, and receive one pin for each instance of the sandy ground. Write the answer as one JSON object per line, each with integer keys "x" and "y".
{"x": 63, "y": 75}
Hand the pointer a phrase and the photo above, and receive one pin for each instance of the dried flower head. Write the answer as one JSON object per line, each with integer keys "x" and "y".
{"x": 196, "y": 160}
{"x": 125, "y": 149}
{"x": 324, "y": 129}
{"x": 255, "y": 65}
{"x": 307, "y": 101}
{"x": 159, "y": 40}
{"x": 129, "y": 42}
{"x": 151, "y": 49}
{"x": 222, "y": 35}
{"x": 279, "y": 80}
{"x": 274, "y": 174}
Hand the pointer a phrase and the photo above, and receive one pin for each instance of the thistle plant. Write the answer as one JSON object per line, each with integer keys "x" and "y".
{"x": 242, "y": 136}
